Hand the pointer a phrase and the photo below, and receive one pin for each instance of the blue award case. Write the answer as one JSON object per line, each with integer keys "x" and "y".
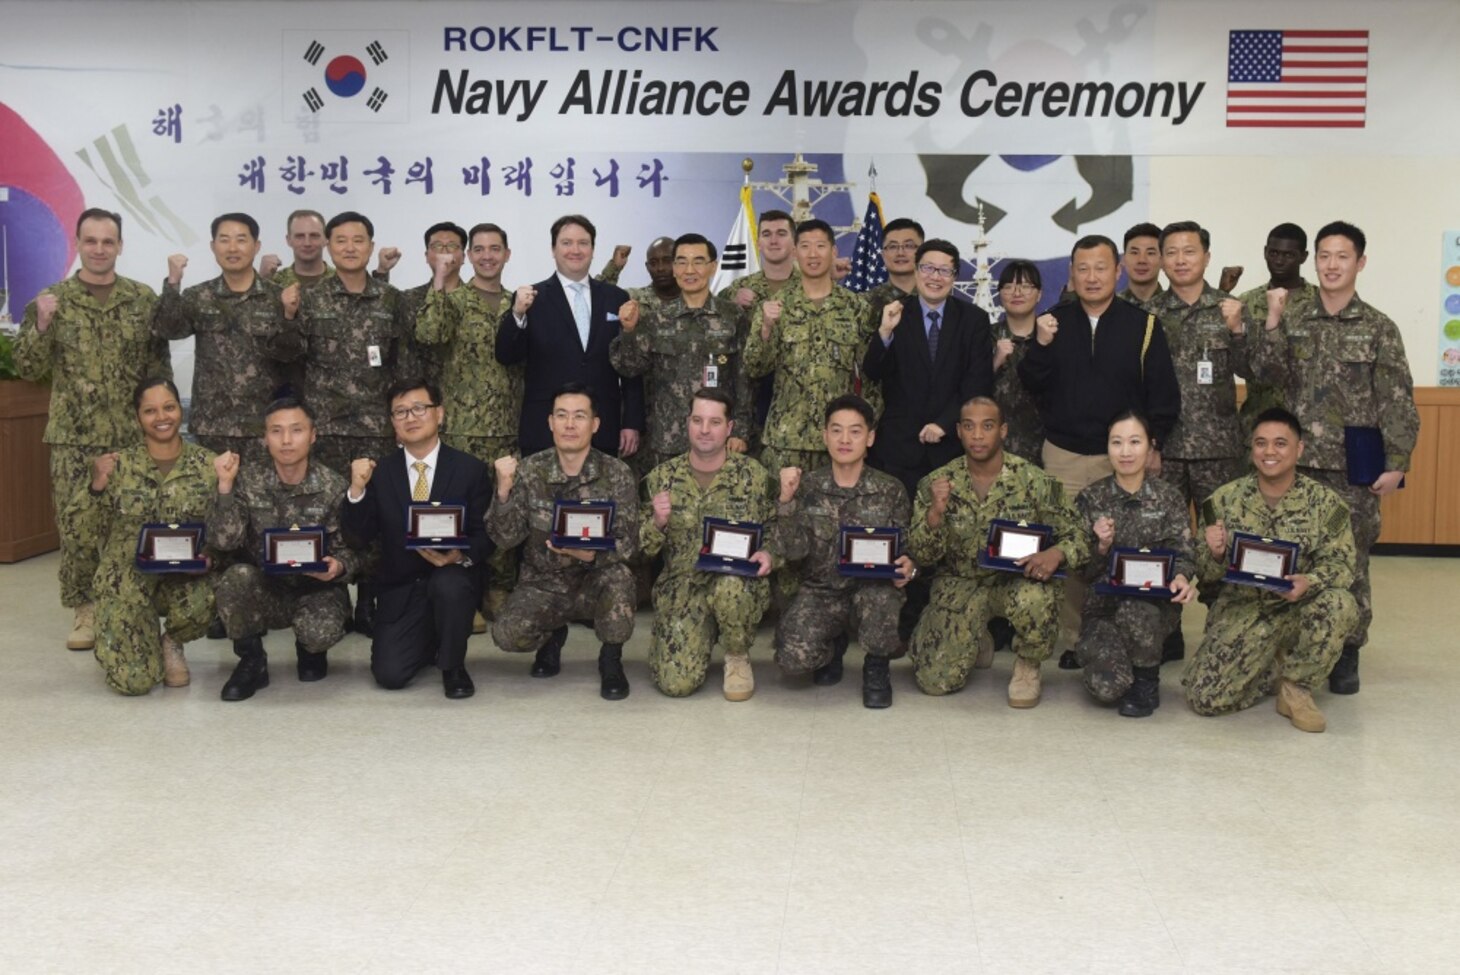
{"x": 599, "y": 543}
{"x": 415, "y": 540}
{"x": 1363, "y": 449}
{"x": 987, "y": 559}
{"x": 195, "y": 530}
{"x": 728, "y": 564}
{"x": 272, "y": 537}
{"x": 869, "y": 570}
{"x": 1119, "y": 555}
{"x": 1243, "y": 540}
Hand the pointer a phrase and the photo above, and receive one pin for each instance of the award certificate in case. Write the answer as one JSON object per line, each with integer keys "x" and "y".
{"x": 1010, "y": 541}
{"x": 436, "y": 524}
{"x": 171, "y": 548}
{"x": 292, "y": 550}
{"x": 584, "y": 524}
{"x": 727, "y": 545}
{"x": 1253, "y": 560}
{"x": 869, "y": 552}
{"x": 1142, "y": 572}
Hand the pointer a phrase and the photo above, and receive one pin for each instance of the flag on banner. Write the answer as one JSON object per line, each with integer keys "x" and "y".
{"x": 868, "y": 268}
{"x": 1297, "y": 79}
{"x": 739, "y": 257}
{"x": 346, "y": 75}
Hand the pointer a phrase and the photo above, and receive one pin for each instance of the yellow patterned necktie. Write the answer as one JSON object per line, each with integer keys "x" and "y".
{"x": 422, "y": 490}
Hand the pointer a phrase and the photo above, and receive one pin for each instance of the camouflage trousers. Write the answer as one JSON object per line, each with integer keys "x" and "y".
{"x": 129, "y": 607}
{"x": 816, "y": 617}
{"x": 1075, "y": 472}
{"x": 336, "y": 453}
{"x": 80, "y": 553}
{"x": 501, "y": 570}
{"x": 690, "y": 614}
{"x": 945, "y": 642}
{"x": 1119, "y": 634}
{"x": 1252, "y": 643}
{"x": 251, "y": 603}
{"x": 531, "y": 614}
{"x": 1197, "y": 479}
{"x": 1363, "y": 513}
{"x": 785, "y": 580}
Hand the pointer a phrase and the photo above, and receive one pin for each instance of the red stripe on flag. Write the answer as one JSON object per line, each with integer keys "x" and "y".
{"x": 1304, "y": 109}
{"x": 1324, "y": 49}
{"x": 1325, "y": 33}
{"x": 1296, "y": 94}
{"x": 1324, "y": 64}
{"x": 1326, "y": 79}
{"x": 1292, "y": 124}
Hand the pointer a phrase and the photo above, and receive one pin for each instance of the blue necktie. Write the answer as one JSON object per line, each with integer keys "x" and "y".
{"x": 933, "y": 335}
{"x": 580, "y": 311}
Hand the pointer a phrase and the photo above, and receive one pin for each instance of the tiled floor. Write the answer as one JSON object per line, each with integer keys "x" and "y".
{"x": 535, "y": 828}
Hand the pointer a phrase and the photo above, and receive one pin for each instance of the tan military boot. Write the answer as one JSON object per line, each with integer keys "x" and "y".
{"x": 174, "y": 664}
{"x": 739, "y": 679}
{"x": 985, "y": 658}
{"x": 1296, "y": 704}
{"x": 83, "y": 630}
{"x": 1024, "y": 687}
{"x": 478, "y": 623}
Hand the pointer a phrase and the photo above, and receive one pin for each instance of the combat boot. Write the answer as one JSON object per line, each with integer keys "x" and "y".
{"x": 1069, "y": 660}
{"x": 984, "y": 659}
{"x": 216, "y": 629}
{"x": 1296, "y": 704}
{"x": 1143, "y": 696}
{"x": 83, "y": 629}
{"x": 495, "y": 601}
{"x": 311, "y": 666}
{"x": 174, "y": 664}
{"x": 1001, "y": 631}
{"x": 830, "y": 673}
{"x": 1173, "y": 647}
{"x": 613, "y": 685}
{"x": 549, "y": 657}
{"x": 252, "y": 672}
{"x": 1344, "y": 677}
{"x": 876, "y": 683}
{"x": 364, "y": 621}
{"x": 1024, "y": 686}
{"x": 478, "y": 623}
{"x": 739, "y": 678}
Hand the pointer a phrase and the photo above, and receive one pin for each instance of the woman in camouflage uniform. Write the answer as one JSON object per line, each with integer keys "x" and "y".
{"x": 166, "y": 480}
{"x": 1019, "y": 292}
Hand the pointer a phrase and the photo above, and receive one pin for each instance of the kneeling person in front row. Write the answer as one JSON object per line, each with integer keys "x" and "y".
{"x": 425, "y": 598}
{"x": 950, "y": 526}
{"x": 828, "y": 608}
{"x": 693, "y": 608}
{"x": 293, "y": 491}
{"x": 1258, "y": 641}
{"x": 558, "y": 585}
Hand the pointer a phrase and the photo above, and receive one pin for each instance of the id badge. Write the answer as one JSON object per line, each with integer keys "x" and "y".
{"x": 1204, "y": 373}
{"x": 372, "y": 352}
{"x": 711, "y": 377}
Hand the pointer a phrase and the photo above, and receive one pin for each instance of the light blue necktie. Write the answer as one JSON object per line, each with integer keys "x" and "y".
{"x": 580, "y": 311}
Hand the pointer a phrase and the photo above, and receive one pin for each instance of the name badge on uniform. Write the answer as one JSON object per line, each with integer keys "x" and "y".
{"x": 711, "y": 377}
{"x": 372, "y": 352}
{"x": 1204, "y": 373}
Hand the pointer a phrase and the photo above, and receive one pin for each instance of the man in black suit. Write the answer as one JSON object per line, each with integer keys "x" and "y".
{"x": 561, "y": 328}
{"x": 425, "y": 597}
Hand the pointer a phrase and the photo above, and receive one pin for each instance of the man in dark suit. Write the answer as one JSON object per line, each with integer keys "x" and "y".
{"x": 425, "y": 597}
{"x": 561, "y": 328}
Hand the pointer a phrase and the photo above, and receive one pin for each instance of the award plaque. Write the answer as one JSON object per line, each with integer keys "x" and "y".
{"x": 1143, "y": 572}
{"x": 1010, "y": 541}
{"x": 171, "y": 548}
{"x": 1262, "y": 562}
{"x": 869, "y": 553}
{"x": 1363, "y": 449}
{"x": 728, "y": 545}
{"x": 292, "y": 550}
{"x": 584, "y": 524}
{"x": 436, "y": 524}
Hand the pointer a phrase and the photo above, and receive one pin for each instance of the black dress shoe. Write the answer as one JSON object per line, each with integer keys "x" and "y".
{"x": 830, "y": 672}
{"x": 364, "y": 623}
{"x": 1344, "y": 677}
{"x": 1069, "y": 660}
{"x": 1173, "y": 647}
{"x": 613, "y": 685}
{"x": 216, "y": 630}
{"x": 457, "y": 684}
{"x": 1003, "y": 633}
{"x": 312, "y": 666}
{"x": 876, "y": 683}
{"x": 548, "y": 661}
{"x": 1141, "y": 699}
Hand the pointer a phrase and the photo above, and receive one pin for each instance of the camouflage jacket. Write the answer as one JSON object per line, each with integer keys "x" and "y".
{"x": 760, "y": 285}
{"x": 286, "y": 276}
{"x": 1207, "y": 427}
{"x": 234, "y": 376}
{"x": 741, "y": 491}
{"x": 1261, "y": 395}
{"x": 815, "y": 352}
{"x": 1333, "y": 370}
{"x": 671, "y": 348}
{"x": 1021, "y": 411}
{"x": 1155, "y": 516}
{"x": 809, "y": 525}
{"x": 483, "y": 398}
{"x": 878, "y": 298}
{"x": 527, "y": 515}
{"x": 1149, "y": 305}
{"x": 260, "y": 501}
{"x": 1021, "y": 492}
{"x": 1310, "y": 514}
{"x": 93, "y": 355}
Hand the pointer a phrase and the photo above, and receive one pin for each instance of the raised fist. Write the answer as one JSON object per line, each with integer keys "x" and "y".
{"x": 1217, "y": 540}
{"x": 770, "y": 312}
{"x": 1003, "y": 348}
{"x": 440, "y": 266}
{"x": 662, "y": 507}
{"x": 45, "y": 309}
{"x": 268, "y": 264}
{"x": 628, "y": 315}
{"x": 101, "y": 470}
{"x": 1277, "y": 300}
{"x": 506, "y": 470}
{"x": 745, "y": 297}
{"x": 226, "y": 467}
{"x": 942, "y": 490}
{"x": 175, "y": 265}
{"x": 840, "y": 268}
{"x": 289, "y": 297}
{"x": 1104, "y": 529}
{"x": 790, "y": 482}
{"x": 523, "y": 299}
{"x": 1046, "y": 326}
{"x": 1232, "y": 315}
{"x": 361, "y": 470}
{"x": 389, "y": 258}
{"x": 1230, "y": 276}
{"x": 620, "y": 256}
{"x": 891, "y": 316}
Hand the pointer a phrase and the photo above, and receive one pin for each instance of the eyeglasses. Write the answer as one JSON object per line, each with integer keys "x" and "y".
{"x": 416, "y": 410}
{"x": 577, "y": 416}
{"x": 934, "y": 271}
{"x": 697, "y": 262}
{"x": 440, "y": 248}
{"x": 1018, "y": 289}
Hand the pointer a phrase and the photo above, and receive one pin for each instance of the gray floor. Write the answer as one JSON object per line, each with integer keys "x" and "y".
{"x": 535, "y": 828}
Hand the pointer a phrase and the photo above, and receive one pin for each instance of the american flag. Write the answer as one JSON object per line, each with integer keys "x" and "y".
{"x": 1297, "y": 79}
{"x": 868, "y": 269}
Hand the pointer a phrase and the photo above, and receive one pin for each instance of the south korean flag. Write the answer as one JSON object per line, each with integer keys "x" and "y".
{"x": 346, "y": 75}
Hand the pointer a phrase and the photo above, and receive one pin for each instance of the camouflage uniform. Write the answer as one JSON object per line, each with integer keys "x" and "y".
{"x": 829, "y": 604}
{"x": 965, "y": 596}
{"x": 764, "y": 290}
{"x": 556, "y": 589}
{"x": 1333, "y": 370}
{"x": 879, "y": 298}
{"x": 250, "y": 602}
{"x": 129, "y": 603}
{"x": 693, "y": 608}
{"x": 431, "y": 359}
{"x": 1148, "y": 305}
{"x": 292, "y": 373}
{"x": 1021, "y": 412}
{"x": 93, "y": 355}
{"x": 815, "y": 351}
{"x": 1260, "y": 395}
{"x": 1204, "y": 449}
{"x": 1255, "y": 637}
{"x": 1118, "y": 633}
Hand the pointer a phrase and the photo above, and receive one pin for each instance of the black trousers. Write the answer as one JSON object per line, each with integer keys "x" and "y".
{"x": 423, "y": 622}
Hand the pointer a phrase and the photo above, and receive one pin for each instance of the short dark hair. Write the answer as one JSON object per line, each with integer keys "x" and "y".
{"x": 1135, "y": 415}
{"x": 983, "y": 401}
{"x": 1289, "y": 231}
{"x": 1020, "y": 271}
{"x": 289, "y": 403}
{"x": 1091, "y": 241}
{"x": 487, "y": 228}
{"x": 904, "y": 223}
{"x": 1140, "y": 230}
{"x": 940, "y": 246}
{"x": 714, "y": 394}
{"x": 406, "y": 384}
{"x": 1341, "y": 228}
{"x": 437, "y": 228}
{"x": 574, "y": 389}
{"x": 815, "y": 223}
{"x": 302, "y": 213}
{"x": 851, "y": 401}
{"x": 774, "y": 216}
{"x": 690, "y": 239}
{"x": 97, "y": 213}
{"x": 575, "y": 219}
{"x": 1276, "y": 414}
{"x": 1186, "y": 227}
{"x": 141, "y": 388}
{"x": 243, "y": 218}
{"x": 349, "y": 216}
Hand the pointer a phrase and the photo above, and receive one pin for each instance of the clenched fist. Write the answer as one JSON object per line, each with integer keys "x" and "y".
{"x": 790, "y": 483}
{"x": 628, "y": 315}
{"x": 1046, "y": 326}
{"x": 389, "y": 258}
{"x": 1217, "y": 540}
{"x": 289, "y": 297}
{"x": 225, "y": 465}
{"x": 620, "y": 256}
{"x": 45, "y": 309}
{"x": 840, "y": 268}
{"x": 1230, "y": 276}
{"x": 175, "y": 265}
{"x": 361, "y": 470}
{"x": 662, "y": 507}
{"x": 1104, "y": 529}
{"x": 101, "y": 470}
{"x": 523, "y": 299}
{"x": 268, "y": 264}
{"x": 770, "y": 313}
{"x": 1232, "y": 315}
{"x": 506, "y": 470}
{"x": 1003, "y": 348}
{"x": 440, "y": 267}
{"x": 891, "y": 316}
{"x": 942, "y": 490}
{"x": 745, "y": 297}
{"x": 1277, "y": 300}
